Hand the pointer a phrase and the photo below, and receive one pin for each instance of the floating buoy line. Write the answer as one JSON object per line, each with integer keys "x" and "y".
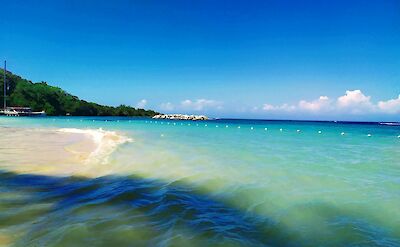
{"x": 205, "y": 125}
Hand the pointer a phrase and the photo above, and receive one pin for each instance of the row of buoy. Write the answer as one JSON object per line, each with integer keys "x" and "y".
{"x": 217, "y": 126}
{"x": 252, "y": 128}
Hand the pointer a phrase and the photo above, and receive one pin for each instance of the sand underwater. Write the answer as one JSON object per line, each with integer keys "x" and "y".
{"x": 101, "y": 181}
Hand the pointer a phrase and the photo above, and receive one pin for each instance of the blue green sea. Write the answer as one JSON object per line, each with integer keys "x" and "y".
{"x": 211, "y": 183}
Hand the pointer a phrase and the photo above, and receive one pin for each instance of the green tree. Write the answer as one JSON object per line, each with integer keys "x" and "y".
{"x": 55, "y": 101}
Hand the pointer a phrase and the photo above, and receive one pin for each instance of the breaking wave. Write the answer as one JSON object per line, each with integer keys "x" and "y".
{"x": 106, "y": 142}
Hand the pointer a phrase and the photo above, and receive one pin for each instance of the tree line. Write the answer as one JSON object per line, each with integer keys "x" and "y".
{"x": 57, "y": 102}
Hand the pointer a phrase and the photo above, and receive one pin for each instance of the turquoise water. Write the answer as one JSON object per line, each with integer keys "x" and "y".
{"x": 218, "y": 183}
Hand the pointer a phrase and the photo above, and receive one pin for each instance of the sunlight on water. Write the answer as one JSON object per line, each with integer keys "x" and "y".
{"x": 262, "y": 183}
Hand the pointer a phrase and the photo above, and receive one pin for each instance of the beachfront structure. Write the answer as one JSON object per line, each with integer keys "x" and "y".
{"x": 15, "y": 111}
{"x": 21, "y": 111}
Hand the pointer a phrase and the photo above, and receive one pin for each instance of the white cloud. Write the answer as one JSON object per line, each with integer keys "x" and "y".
{"x": 200, "y": 104}
{"x": 355, "y": 102}
{"x": 284, "y": 107}
{"x": 187, "y": 106}
{"x": 142, "y": 103}
{"x": 322, "y": 103}
{"x": 352, "y": 102}
{"x": 391, "y": 106}
{"x": 167, "y": 106}
{"x": 268, "y": 107}
{"x": 319, "y": 104}
{"x": 255, "y": 109}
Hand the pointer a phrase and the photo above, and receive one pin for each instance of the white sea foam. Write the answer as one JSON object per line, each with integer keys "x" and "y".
{"x": 106, "y": 142}
{"x": 391, "y": 124}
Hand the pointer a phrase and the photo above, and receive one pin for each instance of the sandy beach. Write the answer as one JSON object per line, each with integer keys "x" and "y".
{"x": 61, "y": 152}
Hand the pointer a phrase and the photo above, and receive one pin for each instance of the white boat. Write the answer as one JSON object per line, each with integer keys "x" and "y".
{"x": 21, "y": 111}
{"x": 16, "y": 111}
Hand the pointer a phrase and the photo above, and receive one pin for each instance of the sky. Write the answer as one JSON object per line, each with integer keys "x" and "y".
{"x": 317, "y": 60}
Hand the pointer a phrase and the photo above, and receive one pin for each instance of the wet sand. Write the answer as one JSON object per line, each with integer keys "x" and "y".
{"x": 61, "y": 152}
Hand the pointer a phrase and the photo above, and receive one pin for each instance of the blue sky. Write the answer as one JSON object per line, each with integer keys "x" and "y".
{"x": 253, "y": 59}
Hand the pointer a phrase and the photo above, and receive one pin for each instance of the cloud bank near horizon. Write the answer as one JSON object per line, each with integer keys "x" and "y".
{"x": 198, "y": 105}
{"x": 141, "y": 104}
{"x": 351, "y": 103}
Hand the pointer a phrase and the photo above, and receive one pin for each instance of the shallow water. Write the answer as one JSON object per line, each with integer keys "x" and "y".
{"x": 210, "y": 183}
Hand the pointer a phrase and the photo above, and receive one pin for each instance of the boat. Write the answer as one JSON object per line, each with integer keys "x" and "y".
{"x": 21, "y": 111}
{"x": 16, "y": 110}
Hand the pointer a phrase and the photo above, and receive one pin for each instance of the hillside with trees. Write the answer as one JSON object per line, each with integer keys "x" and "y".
{"x": 57, "y": 102}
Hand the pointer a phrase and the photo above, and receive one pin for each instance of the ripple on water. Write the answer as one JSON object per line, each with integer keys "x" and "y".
{"x": 120, "y": 210}
{"x": 124, "y": 210}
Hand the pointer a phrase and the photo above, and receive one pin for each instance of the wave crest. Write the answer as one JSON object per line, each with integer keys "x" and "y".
{"x": 106, "y": 142}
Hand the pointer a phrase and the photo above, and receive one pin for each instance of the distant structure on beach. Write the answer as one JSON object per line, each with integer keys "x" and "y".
{"x": 57, "y": 102}
{"x": 181, "y": 117}
{"x": 15, "y": 111}
{"x": 21, "y": 111}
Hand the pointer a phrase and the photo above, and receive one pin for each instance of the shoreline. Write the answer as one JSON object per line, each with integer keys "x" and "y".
{"x": 60, "y": 152}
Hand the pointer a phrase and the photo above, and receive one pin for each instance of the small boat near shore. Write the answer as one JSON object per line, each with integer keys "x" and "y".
{"x": 15, "y": 111}
{"x": 21, "y": 111}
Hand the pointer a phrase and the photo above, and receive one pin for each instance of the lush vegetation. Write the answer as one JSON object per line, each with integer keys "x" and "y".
{"x": 55, "y": 101}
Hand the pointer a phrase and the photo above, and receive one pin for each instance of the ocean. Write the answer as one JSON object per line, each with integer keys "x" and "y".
{"x": 103, "y": 181}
